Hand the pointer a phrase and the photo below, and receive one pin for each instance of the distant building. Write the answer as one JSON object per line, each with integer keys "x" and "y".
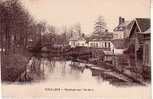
{"x": 77, "y": 41}
{"x": 108, "y": 56}
{"x": 101, "y": 41}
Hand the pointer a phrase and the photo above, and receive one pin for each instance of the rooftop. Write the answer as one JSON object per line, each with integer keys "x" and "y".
{"x": 143, "y": 23}
{"x": 76, "y": 38}
{"x": 122, "y": 25}
{"x": 101, "y": 37}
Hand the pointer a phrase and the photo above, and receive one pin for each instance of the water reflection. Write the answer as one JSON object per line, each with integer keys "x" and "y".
{"x": 64, "y": 71}
{"x": 68, "y": 71}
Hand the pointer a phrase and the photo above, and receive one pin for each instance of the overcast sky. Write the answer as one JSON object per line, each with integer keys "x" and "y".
{"x": 85, "y": 12}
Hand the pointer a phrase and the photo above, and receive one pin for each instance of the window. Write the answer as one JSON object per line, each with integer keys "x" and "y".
{"x": 91, "y": 44}
{"x": 78, "y": 44}
{"x": 82, "y": 44}
{"x": 101, "y": 45}
{"x": 96, "y": 45}
{"x": 105, "y": 44}
{"x": 109, "y": 44}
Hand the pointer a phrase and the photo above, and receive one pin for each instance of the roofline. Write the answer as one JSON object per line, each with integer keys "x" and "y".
{"x": 132, "y": 26}
{"x": 143, "y": 33}
{"x": 138, "y": 25}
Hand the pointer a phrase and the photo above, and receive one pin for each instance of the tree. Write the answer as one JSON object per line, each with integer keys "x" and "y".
{"x": 17, "y": 21}
{"x": 100, "y": 26}
{"x": 65, "y": 35}
{"x": 51, "y": 29}
{"x": 77, "y": 28}
{"x": 71, "y": 32}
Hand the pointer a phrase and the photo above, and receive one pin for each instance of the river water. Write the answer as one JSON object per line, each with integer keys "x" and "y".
{"x": 63, "y": 80}
{"x": 57, "y": 71}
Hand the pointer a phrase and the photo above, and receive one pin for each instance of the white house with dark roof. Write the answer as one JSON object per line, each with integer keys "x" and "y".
{"x": 77, "y": 41}
{"x": 101, "y": 41}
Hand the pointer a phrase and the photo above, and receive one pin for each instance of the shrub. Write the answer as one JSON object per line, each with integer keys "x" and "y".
{"x": 16, "y": 64}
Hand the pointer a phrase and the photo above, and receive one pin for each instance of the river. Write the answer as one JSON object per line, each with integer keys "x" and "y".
{"x": 63, "y": 71}
{"x": 62, "y": 79}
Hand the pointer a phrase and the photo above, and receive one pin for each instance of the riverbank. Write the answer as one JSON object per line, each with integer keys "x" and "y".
{"x": 33, "y": 71}
{"x": 110, "y": 70}
{"x": 14, "y": 65}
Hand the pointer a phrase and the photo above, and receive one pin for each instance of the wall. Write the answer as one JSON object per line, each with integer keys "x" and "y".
{"x": 77, "y": 43}
{"x": 118, "y": 35}
{"x": 118, "y": 51}
{"x": 147, "y": 53}
{"x": 100, "y": 44}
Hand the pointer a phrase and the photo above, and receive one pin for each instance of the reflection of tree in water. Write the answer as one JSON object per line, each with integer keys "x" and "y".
{"x": 75, "y": 72}
{"x": 99, "y": 78}
{"x": 63, "y": 67}
{"x": 51, "y": 65}
{"x": 42, "y": 67}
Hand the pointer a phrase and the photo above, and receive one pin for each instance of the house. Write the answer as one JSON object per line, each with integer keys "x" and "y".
{"x": 139, "y": 42}
{"x": 121, "y": 31}
{"x": 145, "y": 38}
{"x": 101, "y": 41}
{"x": 77, "y": 41}
{"x": 119, "y": 46}
{"x": 108, "y": 56}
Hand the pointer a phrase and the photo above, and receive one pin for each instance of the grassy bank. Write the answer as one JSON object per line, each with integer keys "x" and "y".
{"x": 13, "y": 66}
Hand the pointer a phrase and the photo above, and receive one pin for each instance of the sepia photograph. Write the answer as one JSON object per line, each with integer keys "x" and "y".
{"x": 75, "y": 49}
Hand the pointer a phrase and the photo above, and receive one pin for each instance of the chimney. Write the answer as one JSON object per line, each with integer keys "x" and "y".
{"x": 121, "y": 20}
{"x": 106, "y": 30}
{"x": 83, "y": 35}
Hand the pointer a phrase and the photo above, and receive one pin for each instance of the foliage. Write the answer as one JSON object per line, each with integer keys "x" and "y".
{"x": 15, "y": 67}
{"x": 100, "y": 25}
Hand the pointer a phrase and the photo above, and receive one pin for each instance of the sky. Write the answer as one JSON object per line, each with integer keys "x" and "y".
{"x": 85, "y": 12}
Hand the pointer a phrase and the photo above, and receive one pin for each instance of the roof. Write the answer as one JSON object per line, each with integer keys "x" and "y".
{"x": 148, "y": 31}
{"x": 76, "y": 38}
{"x": 122, "y": 26}
{"x": 108, "y": 52}
{"x": 143, "y": 24}
{"x": 119, "y": 43}
{"x": 101, "y": 37}
{"x": 129, "y": 26}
